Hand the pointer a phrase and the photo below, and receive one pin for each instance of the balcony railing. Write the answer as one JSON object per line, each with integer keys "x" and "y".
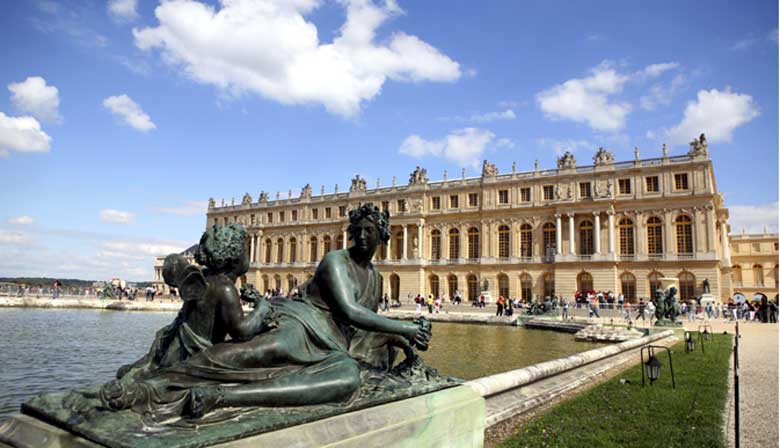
{"x": 685, "y": 256}
{"x": 627, "y": 257}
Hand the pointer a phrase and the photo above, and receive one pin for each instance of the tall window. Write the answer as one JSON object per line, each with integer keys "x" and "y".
{"x": 548, "y": 192}
{"x": 313, "y": 249}
{"x": 626, "y": 230}
{"x": 525, "y": 194}
{"x": 584, "y": 189}
{"x": 584, "y": 282}
{"x": 655, "y": 283}
{"x": 758, "y": 275}
{"x": 503, "y": 242}
{"x": 436, "y": 203}
{"x": 548, "y": 235}
{"x": 292, "y": 283}
{"x": 628, "y": 286}
{"x": 624, "y": 186}
{"x": 294, "y": 215}
{"x": 326, "y": 244}
{"x": 278, "y": 282}
{"x": 281, "y": 216}
{"x": 473, "y": 292}
{"x": 526, "y": 241}
{"x": 681, "y": 181}
{"x": 777, "y": 281}
{"x": 267, "y": 250}
{"x": 435, "y": 285}
{"x": 526, "y": 287}
{"x": 315, "y": 213}
{"x": 436, "y": 245}
{"x": 473, "y": 236}
{"x": 399, "y": 246}
{"x": 293, "y": 249}
{"x": 452, "y": 285}
{"x": 473, "y": 200}
{"x": 328, "y": 213}
{"x": 454, "y": 201}
{"x": 266, "y": 285}
{"x": 586, "y": 238}
{"x": 549, "y": 285}
{"x": 279, "y": 250}
{"x": 401, "y": 205}
{"x": 454, "y": 244}
{"x": 340, "y": 242}
{"x": 687, "y": 285}
{"x": 684, "y": 228}
{"x": 503, "y": 196}
{"x": 737, "y": 275}
{"x": 503, "y": 285}
{"x": 651, "y": 184}
{"x": 655, "y": 241}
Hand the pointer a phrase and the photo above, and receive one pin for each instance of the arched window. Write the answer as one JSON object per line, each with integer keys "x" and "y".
{"x": 454, "y": 244}
{"x": 395, "y": 286}
{"x": 340, "y": 242}
{"x": 526, "y": 241}
{"x": 503, "y": 242}
{"x": 654, "y": 280}
{"x": 526, "y": 287}
{"x": 326, "y": 244}
{"x": 584, "y": 282}
{"x": 435, "y": 245}
{"x": 399, "y": 246}
{"x": 266, "y": 286}
{"x": 267, "y": 250}
{"x": 687, "y": 285}
{"x": 503, "y": 285}
{"x": 549, "y": 285}
{"x": 626, "y": 231}
{"x": 473, "y": 235}
{"x": 777, "y": 282}
{"x": 293, "y": 250}
{"x": 586, "y": 238}
{"x": 655, "y": 241}
{"x": 313, "y": 249}
{"x": 280, "y": 250}
{"x": 758, "y": 275}
{"x": 278, "y": 282}
{"x": 292, "y": 282}
{"x": 548, "y": 235}
{"x": 736, "y": 274}
{"x": 435, "y": 285}
{"x": 452, "y": 285}
{"x": 684, "y": 228}
{"x": 628, "y": 286}
{"x": 473, "y": 292}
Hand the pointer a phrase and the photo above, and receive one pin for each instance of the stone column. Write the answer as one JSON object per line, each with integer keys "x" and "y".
{"x": 388, "y": 255}
{"x": 514, "y": 236}
{"x": 597, "y": 233}
{"x": 640, "y": 235}
{"x": 252, "y": 249}
{"x": 698, "y": 235}
{"x": 670, "y": 248}
{"x": 406, "y": 239}
{"x": 571, "y": 233}
{"x": 710, "y": 229}
{"x": 724, "y": 241}
{"x": 558, "y": 235}
{"x": 346, "y": 240}
{"x": 420, "y": 239}
{"x": 611, "y": 231}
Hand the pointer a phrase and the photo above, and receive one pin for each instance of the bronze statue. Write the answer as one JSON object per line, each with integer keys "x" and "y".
{"x": 667, "y": 309}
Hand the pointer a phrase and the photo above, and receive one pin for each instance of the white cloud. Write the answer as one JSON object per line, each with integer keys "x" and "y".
{"x": 560, "y": 146}
{"x": 128, "y": 110}
{"x": 34, "y": 97}
{"x": 145, "y": 248}
{"x": 116, "y": 216}
{"x": 587, "y": 100}
{"x": 753, "y": 218}
{"x": 715, "y": 113}
{"x": 508, "y": 114}
{"x": 655, "y": 70}
{"x": 23, "y": 220}
{"x": 269, "y": 48}
{"x": 189, "y": 208}
{"x": 14, "y": 237}
{"x": 123, "y": 10}
{"x": 505, "y": 143}
{"x": 661, "y": 94}
{"x": 745, "y": 43}
{"x": 22, "y": 134}
{"x": 463, "y": 146}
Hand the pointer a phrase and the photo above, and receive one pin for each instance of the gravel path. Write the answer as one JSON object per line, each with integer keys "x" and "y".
{"x": 758, "y": 385}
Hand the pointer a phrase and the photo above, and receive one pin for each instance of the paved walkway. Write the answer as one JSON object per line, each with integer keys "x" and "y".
{"x": 758, "y": 385}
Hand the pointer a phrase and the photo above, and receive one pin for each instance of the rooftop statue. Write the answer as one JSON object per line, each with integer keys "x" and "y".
{"x": 212, "y": 203}
{"x": 358, "y": 184}
{"x": 489, "y": 169}
{"x": 418, "y": 177}
{"x": 246, "y": 200}
{"x": 306, "y": 191}
{"x": 698, "y": 146}
{"x": 263, "y": 198}
{"x": 603, "y": 157}
{"x": 317, "y": 355}
{"x": 567, "y": 160}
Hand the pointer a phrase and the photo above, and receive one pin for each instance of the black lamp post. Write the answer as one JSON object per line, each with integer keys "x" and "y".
{"x": 652, "y": 367}
{"x": 707, "y": 333}
{"x": 690, "y": 343}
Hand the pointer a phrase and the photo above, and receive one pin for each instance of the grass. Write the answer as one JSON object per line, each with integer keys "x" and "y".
{"x": 629, "y": 415}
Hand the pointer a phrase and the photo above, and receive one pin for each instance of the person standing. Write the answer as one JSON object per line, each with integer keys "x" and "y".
{"x": 500, "y": 306}
{"x": 640, "y": 310}
{"x": 429, "y": 302}
{"x": 651, "y": 310}
{"x": 418, "y": 304}
{"x": 565, "y": 310}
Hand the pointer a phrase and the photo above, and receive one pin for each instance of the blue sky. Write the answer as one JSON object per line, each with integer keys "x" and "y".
{"x": 119, "y": 119}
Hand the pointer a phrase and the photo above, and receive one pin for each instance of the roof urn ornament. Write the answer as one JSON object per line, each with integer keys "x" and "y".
{"x": 698, "y": 146}
{"x": 603, "y": 157}
{"x": 489, "y": 169}
{"x": 567, "y": 160}
{"x": 418, "y": 177}
{"x": 358, "y": 184}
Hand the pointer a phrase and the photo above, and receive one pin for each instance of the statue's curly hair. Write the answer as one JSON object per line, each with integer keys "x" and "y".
{"x": 221, "y": 247}
{"x": 369, "y": 211}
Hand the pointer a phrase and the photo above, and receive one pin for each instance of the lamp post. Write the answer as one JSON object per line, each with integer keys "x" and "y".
{"x": 707, "y": 333}
{"x": 690, "y": 343}
{"x": 652, "y": 367}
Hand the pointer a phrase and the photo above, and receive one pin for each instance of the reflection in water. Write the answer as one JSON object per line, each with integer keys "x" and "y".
{"x": 58, "y": 350}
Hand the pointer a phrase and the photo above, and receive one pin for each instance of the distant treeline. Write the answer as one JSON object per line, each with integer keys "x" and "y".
{"x": 66, "y": 282}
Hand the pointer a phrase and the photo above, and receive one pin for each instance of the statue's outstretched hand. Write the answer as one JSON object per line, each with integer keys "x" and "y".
{"x": 423, "y": 335}
{"x": 250, "y": 294}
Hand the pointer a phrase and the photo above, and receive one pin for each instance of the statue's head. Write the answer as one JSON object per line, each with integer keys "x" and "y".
{"x": 672, "y": 291}
{"x": 173, "y": 268}
{"x": 223, "y": 249}
{"x": 368, "y": 226}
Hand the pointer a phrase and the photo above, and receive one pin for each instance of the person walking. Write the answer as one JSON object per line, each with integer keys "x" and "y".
{"x": 565, "y": 310}
{"x": 651, "y": 310}
{"x": 429, "y": 302}
{"x": 500, "y": 306}
{"x": 418, "y": 300}
{"x": 640, "y": 311}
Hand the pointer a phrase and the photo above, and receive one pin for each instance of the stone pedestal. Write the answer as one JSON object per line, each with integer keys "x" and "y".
{"x": 452, "y": 417}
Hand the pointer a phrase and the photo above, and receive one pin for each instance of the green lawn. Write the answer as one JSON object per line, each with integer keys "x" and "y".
{"x": 628, "y": 415}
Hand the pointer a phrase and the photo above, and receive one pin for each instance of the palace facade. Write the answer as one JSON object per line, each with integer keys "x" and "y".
{"x": 618, "y": 226}
{"x": 754, "y": 267}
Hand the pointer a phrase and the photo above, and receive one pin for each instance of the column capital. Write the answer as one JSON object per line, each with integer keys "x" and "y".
{"x": 557, "y": 216}
{"x": 597, "y": 214}
{"x": 570, "y": 215}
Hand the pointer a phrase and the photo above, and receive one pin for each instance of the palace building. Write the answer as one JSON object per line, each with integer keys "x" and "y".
{"x": 754, "y": 264}
{"x": 618, "y": 226}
